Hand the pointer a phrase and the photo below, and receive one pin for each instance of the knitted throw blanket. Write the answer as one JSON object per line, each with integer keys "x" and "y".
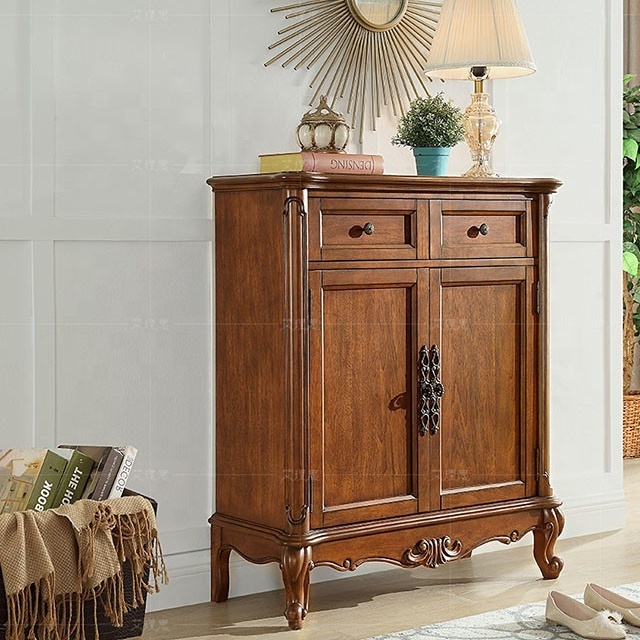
{"x": 53, "y": 561}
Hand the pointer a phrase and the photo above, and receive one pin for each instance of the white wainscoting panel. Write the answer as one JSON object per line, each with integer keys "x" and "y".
{"x": 105, "y": 247}
{"x": 553, "y": 128}
{"x": 16, "y": 344}
{"x": 15, "y": 173}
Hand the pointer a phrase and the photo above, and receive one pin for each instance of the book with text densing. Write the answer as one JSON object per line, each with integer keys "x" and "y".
{"x": 357, "y": 163}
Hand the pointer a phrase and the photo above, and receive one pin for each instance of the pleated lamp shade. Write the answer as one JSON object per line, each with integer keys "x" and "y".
{"x": 480, "y": 33}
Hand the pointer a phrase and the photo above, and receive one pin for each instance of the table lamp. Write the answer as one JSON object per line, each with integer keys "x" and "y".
{"x": 480, "y": 40}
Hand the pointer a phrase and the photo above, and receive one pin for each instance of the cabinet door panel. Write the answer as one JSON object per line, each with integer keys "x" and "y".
{"x": 362, "y": 397}
{"x": 483, "y": 320}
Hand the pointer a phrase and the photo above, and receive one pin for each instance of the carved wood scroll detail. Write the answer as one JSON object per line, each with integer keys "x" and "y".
{"x": 299, "y": 204}
{"x": 428, "y": 553}
{"x": 351, "y": 565}
{"x": 300, "y": 519}
{"x": 544, "y": 539}
{"x": 433, "y": 552}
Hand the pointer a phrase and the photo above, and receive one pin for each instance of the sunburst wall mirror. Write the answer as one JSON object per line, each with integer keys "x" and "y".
{"x": 369, "y": 52}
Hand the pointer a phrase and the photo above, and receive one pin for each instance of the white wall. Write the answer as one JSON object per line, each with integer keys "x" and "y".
{"x": 105, "y": 252}
{"x": 562, "y": 126}
{"x": 114, "y": 114}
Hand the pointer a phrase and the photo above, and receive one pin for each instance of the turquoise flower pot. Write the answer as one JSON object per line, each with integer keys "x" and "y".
{"x": 431, "y": 161}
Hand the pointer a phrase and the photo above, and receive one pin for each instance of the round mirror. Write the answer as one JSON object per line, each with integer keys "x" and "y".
{"x": 378, "y": 14}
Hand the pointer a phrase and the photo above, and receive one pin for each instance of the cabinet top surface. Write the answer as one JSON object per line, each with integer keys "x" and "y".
{"x": 418, "y": 184}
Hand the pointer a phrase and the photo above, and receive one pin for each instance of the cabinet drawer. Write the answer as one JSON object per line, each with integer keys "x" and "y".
{"x": 362, "y": 229}
{"x": 480, "y": 229}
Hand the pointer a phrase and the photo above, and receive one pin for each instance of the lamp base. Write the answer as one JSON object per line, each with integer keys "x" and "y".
{"x": 480, "y": 171}
{"x": 481, "y": 126}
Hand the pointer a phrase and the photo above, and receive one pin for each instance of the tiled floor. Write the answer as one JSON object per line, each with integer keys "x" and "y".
{"x": 363, "y": 606}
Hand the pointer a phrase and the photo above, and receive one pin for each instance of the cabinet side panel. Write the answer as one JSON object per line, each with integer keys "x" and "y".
{"x": 250, "y": 348}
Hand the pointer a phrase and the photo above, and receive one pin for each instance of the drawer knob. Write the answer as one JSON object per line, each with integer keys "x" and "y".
{"x": 483, "y": 229}
{"x": 368, "y": 228}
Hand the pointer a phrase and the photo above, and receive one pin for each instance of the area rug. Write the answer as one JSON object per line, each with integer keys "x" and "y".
{"x": 523, "y": 622}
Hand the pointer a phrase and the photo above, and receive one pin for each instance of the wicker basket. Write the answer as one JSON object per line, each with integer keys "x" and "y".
{"x": 631, "y": 427}
{"x": 132, "y": 622}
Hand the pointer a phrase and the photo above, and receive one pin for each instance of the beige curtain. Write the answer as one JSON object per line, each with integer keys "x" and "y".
{"x": 632, "y": 38}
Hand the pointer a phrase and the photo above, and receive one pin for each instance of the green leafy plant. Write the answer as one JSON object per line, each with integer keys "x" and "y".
{"x": 430, "y": 122}
{"x": 631, "y": 224}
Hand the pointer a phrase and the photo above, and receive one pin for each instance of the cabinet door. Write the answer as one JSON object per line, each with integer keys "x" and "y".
{"x": 484, "y": 321}
{"x": 364, "y": 327}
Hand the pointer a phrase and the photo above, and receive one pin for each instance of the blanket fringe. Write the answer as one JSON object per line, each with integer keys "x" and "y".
{"x": 137, "y": 542}
{"x": 35, "y": 613}
{"x": 32, "y": 609}
{"x": 103, "y": 520}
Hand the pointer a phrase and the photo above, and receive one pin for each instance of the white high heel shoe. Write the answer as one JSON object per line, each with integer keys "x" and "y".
{"x": 599, "y": 598}
{"x": 582, "y": 619}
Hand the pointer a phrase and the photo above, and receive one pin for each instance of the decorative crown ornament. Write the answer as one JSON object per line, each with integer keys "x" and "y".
{"x": 323, "y": 129}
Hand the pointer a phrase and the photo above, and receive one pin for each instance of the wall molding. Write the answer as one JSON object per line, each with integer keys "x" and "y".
{"x": 98, "y": 229}
{"x": 189, "y": 582}
{"x": 613, "y": 328}
{"x": 181, "y": 541}
{"x": 565, "y": 232}
{"x": 43, "y": 290}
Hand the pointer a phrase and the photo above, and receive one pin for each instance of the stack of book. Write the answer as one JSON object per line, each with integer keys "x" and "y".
{"x": 42, "y": 479}
{"x": 313, "y": 161}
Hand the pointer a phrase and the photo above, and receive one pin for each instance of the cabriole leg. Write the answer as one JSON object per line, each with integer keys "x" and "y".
{"x": 219, "y": 566}
{"x": 544, "y": 540}
{"x": 296, "y": 565}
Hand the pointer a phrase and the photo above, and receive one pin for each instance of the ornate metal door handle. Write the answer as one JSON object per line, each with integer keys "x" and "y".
{"x": 483, "y": 229}
{"x": 431, "y": 390}
{"x": 368, "y": 228}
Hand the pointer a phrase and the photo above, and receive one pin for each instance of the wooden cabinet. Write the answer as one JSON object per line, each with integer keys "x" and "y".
{"x": 381, "y": 373}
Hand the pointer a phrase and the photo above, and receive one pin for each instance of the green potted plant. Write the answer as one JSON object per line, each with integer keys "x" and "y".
{"x": 631, "y": 260}
{"x": 431, "y": 127}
